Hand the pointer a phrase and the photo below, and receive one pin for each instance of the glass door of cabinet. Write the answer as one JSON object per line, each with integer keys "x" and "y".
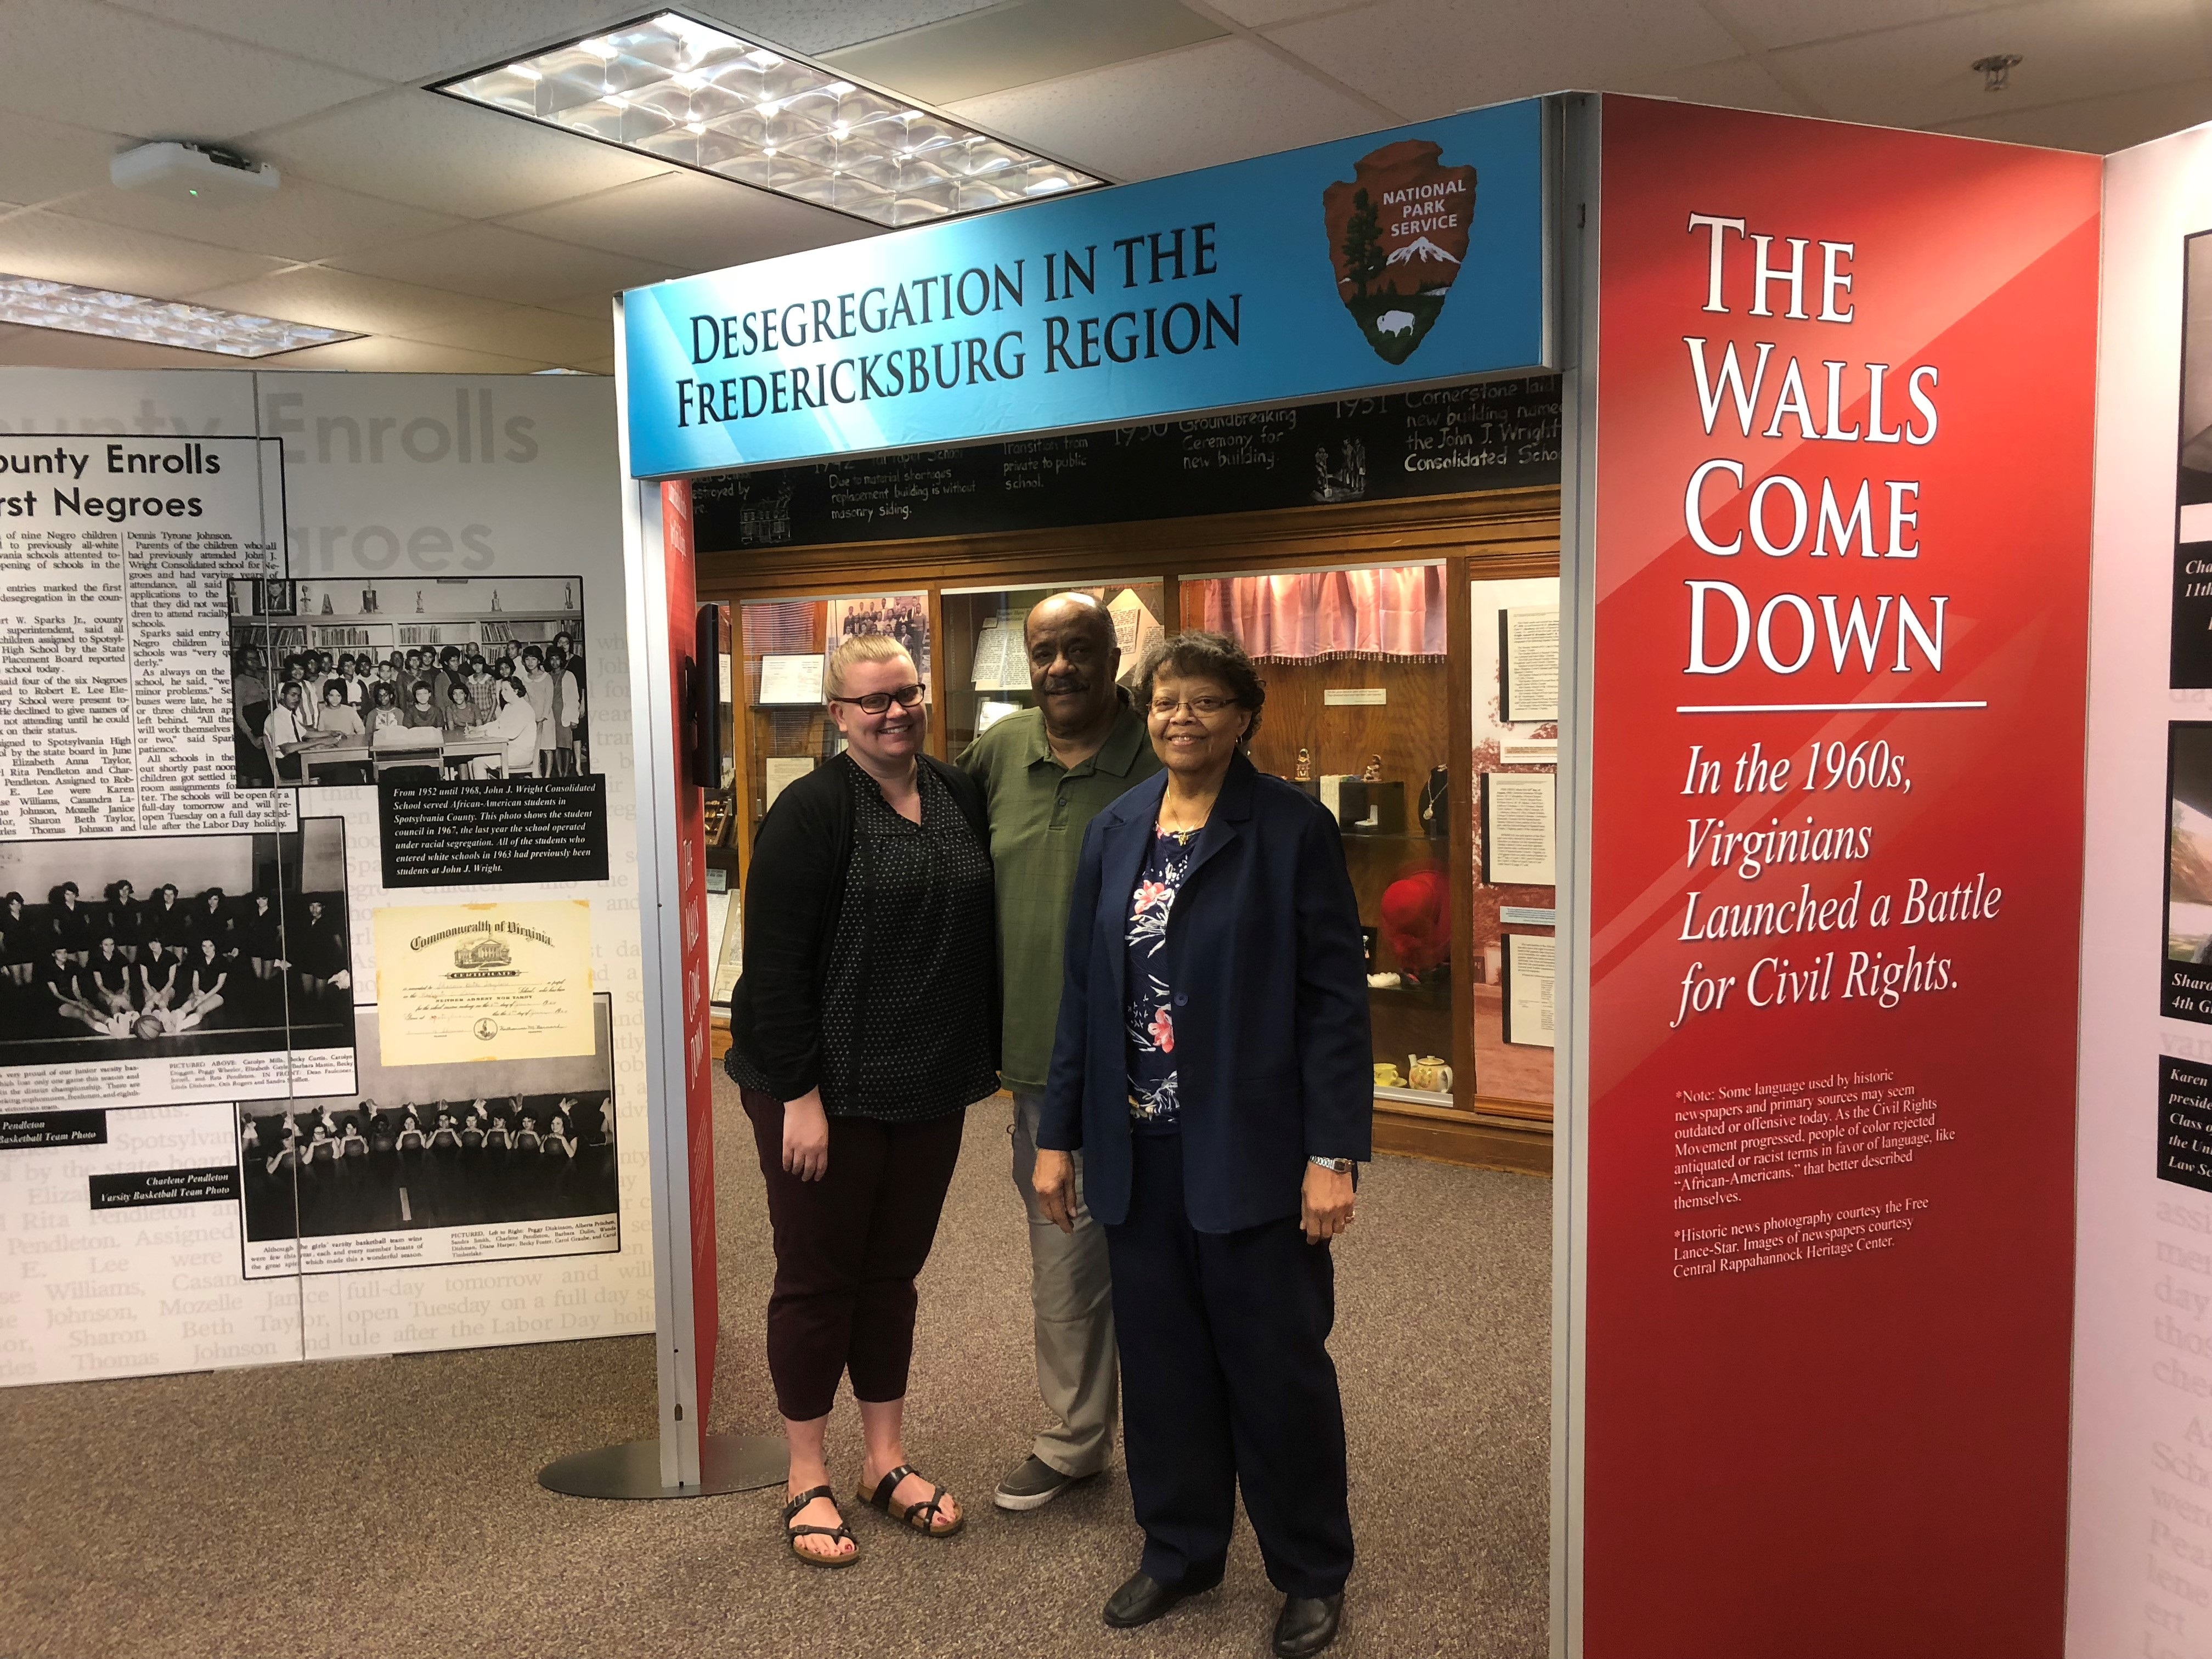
{"x": 985, "y": 648}
{"x": 785, "y": 643}
{"x": 1358, "y": 715}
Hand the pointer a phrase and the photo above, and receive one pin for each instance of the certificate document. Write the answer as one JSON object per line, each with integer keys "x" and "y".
{"x": 462, "y": 983}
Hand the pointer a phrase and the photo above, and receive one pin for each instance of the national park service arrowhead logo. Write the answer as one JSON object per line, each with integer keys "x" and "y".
{"x": 1397, "y": 235}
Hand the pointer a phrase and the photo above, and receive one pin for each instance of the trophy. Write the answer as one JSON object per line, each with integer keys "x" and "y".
{"x": 1305, "y": 767}
{"x": 566, "y": 604}
{"x": 1374, "y": 772}
{"x": 326, "y": 605}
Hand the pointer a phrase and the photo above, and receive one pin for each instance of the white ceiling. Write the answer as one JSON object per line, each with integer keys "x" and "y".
{"x": 463, "y": 240}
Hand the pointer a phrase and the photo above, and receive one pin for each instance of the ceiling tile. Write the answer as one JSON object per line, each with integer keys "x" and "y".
{"x": 1219, "y": 102}
{"x": 1791, "y": 22}
{"x": 593, "y": 305}
{"x": 1922, "y": 75}
{"x": 302, "y": 221}
{"x": 1266, "y": 13}
{"x": 1012, "y": 45}
{"x": 694, "y": 223}
{"x": 595, "y": 366}
{"x": 343, "y": 298}
{"x": 809, "y": 26}
{"x": 451, "y": 157}
{"x": 395, "y": 40}
{"x": 500, "y": 263}
{"x": 2098, "y": 125}
{"x": 65, "y": 250}
{"x": 41, "y": 159}
{"x": 119, "y": 71}
{"x": 378, "y": 356}
{"x": 526, "y": 331}
{"x": 1735, "y": 83}
{"x": 52, "y": 347}
{"x": 1430, "y": 57}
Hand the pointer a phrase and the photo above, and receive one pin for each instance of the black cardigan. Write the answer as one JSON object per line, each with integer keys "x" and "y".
{"x": 793, "y": 889}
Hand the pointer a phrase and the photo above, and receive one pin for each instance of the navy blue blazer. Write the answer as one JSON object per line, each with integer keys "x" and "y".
{"x": 1273, "y": 1055}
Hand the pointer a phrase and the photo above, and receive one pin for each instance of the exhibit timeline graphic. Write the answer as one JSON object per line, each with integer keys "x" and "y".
{"x": 1841, "y": 570}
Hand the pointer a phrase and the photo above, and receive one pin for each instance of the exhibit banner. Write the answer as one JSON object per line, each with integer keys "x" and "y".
{"x": 1395, "y": 260}
{"x": 1839, "y": 572}
{"x": 2139, "y": 1571}
{"x": 679, "y": 564}
{"x": 317, "y": 873}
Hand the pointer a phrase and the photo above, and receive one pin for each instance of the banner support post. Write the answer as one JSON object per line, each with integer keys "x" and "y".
{"x": 682, "y": 1459}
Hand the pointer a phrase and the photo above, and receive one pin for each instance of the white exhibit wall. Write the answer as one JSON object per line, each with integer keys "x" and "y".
{"x": 2140, "y": 1569}
{"x": 401, "y": 482}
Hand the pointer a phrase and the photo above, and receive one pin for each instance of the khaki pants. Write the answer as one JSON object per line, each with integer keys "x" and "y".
{"x": 1071, "y": 1294}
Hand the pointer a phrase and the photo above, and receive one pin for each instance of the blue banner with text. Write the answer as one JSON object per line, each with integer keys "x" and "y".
{"x": 1394, "y": 260}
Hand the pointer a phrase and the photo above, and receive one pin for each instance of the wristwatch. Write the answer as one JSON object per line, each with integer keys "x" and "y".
{"x": 1335, "y": 1166}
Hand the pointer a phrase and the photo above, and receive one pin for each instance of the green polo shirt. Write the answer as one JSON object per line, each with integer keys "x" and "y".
{"x": 1039, "y": 810}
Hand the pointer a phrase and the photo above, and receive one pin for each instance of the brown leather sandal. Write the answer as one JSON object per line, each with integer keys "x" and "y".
{"x": 925, "y": 1516}
{"x": 841, "y": 1530}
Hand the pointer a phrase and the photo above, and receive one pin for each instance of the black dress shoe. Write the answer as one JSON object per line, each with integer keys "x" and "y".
{"x": 1307, "y": 1624}
{"x": 1143, "y": 1599}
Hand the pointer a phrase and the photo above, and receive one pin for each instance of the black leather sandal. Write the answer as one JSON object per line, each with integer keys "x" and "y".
{"x": 841, "y": 1530}
{"x": 924, "y": 1516}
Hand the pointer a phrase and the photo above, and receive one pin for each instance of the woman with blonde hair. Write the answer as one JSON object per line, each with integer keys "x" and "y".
{"x": 864, "y": 1025}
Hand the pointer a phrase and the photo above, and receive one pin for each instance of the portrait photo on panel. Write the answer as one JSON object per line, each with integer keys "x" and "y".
{"x": 347, "y": 681}
{"x": 2189, "y": 842}
{"x": 175, "y": 948}
{"x": 469, "y": 1160}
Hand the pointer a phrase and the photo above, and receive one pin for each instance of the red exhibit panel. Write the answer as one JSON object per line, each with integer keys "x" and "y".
{"x": 680, "y": 562}
{"x": 1845, "y": 398}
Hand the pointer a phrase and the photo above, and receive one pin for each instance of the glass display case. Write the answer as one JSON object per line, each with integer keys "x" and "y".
{"x": 1359, "y": 715}
{"x": 784, "y": 643}
{"x": 986, "y": 674}
{"x": 1513, "y": 629}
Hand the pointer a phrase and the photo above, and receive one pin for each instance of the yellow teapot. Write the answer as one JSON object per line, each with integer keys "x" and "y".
{"x": 1429, "y": 1073}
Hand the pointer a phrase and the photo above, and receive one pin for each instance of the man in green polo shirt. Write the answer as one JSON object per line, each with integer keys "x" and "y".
{"x": 1046, "y": 773}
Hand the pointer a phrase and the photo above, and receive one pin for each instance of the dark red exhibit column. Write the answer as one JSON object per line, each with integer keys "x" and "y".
{"x": 1845, "y": 395}
{"x": 680, "y": 562}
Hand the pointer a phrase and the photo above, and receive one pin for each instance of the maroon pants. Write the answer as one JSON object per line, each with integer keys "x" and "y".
{"x": 848, "y": 1248}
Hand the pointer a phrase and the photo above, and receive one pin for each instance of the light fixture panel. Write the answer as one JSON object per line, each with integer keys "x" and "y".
{"x": 37, "y": 304}
{"x": 694, "y": 94}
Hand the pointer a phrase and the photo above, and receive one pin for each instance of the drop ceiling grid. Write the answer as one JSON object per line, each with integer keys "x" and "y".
{"x": 454, "y": 235}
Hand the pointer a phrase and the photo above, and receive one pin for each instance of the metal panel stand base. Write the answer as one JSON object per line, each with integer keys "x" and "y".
{"x": 728, "y": 1463}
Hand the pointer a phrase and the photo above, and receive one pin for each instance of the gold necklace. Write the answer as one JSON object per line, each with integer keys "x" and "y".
{"x": 1178, "y": 831}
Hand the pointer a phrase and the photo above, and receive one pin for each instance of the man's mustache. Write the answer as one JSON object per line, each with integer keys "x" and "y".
{"x": 1056, "y": 685}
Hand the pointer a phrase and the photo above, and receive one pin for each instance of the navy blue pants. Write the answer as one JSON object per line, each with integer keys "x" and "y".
{"x": 1226, "y": 1381}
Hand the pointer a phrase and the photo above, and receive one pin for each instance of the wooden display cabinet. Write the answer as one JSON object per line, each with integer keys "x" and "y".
{"x": 1425, "y": 721}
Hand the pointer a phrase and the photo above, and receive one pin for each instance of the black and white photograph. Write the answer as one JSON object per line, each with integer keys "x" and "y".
{"x": 2192, "y": 647}
{"x": 418, "y": 1165}
{"x": 336, "y": 682}
{"x": 2186, "y": 992}
{"x": 167, "y": 951}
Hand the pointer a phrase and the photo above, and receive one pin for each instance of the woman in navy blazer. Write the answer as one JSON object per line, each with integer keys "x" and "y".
{"x": 1214, "y": 1064}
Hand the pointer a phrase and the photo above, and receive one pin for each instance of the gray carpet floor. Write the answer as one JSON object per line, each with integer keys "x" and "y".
{"x": 389, "y": 1506}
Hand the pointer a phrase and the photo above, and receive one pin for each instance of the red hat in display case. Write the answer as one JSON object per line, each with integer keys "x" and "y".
{"x": 1417, "y": 920}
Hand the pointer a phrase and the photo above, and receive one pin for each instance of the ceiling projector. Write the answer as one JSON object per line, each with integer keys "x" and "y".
{"x": 205, "y": 175}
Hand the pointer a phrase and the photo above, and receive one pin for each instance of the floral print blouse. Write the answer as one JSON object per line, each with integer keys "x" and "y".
{"x": 1148, "y": 1011}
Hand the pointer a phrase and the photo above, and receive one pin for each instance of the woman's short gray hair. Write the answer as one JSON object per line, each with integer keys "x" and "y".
{"x": 1199, "y": 653}
{"x": 859, "y": 648}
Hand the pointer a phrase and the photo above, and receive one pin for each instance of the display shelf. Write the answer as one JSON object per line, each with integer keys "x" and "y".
{"x": 985, "y": 661}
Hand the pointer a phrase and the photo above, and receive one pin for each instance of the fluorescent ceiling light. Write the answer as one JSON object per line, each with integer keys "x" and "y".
{"x": 157, "y": 322}
{"x": 688, "y": 92}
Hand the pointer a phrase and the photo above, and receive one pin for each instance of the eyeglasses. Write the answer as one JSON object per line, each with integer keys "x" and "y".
{"x": 1205, "y": 707}
{"x": 906, "y": 696}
